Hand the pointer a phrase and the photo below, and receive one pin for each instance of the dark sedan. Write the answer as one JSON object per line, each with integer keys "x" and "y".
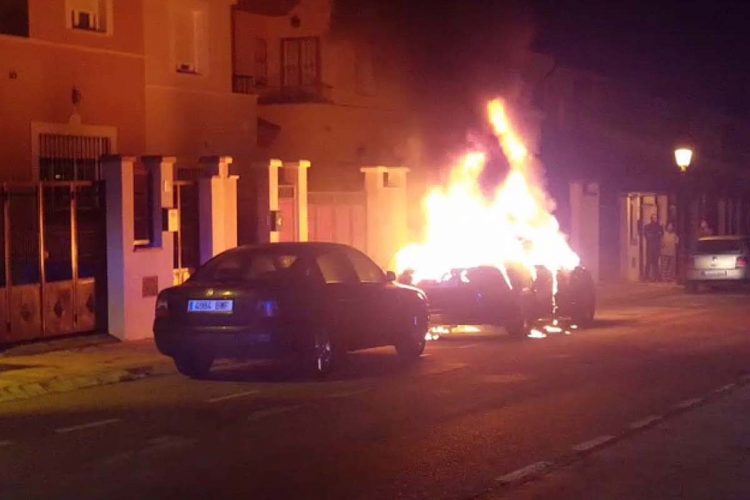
{"x": 305, "y": 303}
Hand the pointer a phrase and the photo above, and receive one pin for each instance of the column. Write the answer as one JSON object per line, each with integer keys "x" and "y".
{"x": 387, "y": 217}
{"x": 299, "y": 180}
{"x": 134, "y": 274}
{"x": 217, "y": 193}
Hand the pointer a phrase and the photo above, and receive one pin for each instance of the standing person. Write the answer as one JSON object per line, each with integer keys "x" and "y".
{"x": 653, "y": 233}
{"x": 669, "y": 253}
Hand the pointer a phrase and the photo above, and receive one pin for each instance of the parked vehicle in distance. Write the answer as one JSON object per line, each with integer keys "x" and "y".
{"x": 304, "y": 303}
{"x": 482, "y": 296}
{"x": 718, "y": 260}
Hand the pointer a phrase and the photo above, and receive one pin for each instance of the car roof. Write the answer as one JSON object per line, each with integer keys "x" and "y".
{"x": 297, "y": 247}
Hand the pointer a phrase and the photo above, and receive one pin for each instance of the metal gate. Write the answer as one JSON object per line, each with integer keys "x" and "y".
{"x": 53, "y": 274}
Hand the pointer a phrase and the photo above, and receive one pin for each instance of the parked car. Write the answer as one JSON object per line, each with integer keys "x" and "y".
{"x": 718, "y": 260}
{"x": 482, "y": 296}
{"x": 304, "y": 303}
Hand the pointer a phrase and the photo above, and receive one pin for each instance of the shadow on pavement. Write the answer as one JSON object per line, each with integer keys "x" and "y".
{"x": 378, "y": 363}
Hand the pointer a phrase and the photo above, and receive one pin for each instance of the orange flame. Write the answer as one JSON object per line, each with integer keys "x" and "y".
{"x": 466, "y": 229}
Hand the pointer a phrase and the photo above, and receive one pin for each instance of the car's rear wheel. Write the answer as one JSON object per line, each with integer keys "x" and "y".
{"x": 193, "y": 365}
{"x": 316, "y": 357}
{"x": 517, "y": 328}
{"x": 584, "y": 312}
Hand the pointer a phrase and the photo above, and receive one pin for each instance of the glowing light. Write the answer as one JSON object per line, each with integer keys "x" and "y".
{"x": 514, "y": 226}
{"x": 536, "y": 334}
{"x": 683, "y": 157}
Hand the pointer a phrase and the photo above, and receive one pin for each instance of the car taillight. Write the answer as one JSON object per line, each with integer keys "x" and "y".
{"x": 268, "y": 308}
{"x": 162, "y": 307}
{"x": 741, "y": 262}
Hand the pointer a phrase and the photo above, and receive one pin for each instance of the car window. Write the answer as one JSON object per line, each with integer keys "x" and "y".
{"x": 336, "y": 268}
{"x": 367, "y": 271}
{"x": 250, "y": 267}
{"x": 719, "y": 246}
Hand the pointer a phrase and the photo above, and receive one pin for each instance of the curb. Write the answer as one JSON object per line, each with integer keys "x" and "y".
{"x": 74, "y": 382}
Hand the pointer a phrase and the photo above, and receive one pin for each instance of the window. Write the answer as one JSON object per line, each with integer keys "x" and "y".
{"x": 336, "y": 268}
{"x": 243, "y": 266}
{"x": 14, "y": 17}
{"x": 71, "y": 157}
{"x": 89, "y": 15}
{"x": 189, "y": 39}
{"x": 142, "y": 206}
{"x": 367, "y": 271}
{"x": 300, "y": 57}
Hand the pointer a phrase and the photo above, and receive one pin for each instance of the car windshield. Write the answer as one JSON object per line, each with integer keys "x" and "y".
{"x": 719, "y": 246}
{"x": 251, "y": 267}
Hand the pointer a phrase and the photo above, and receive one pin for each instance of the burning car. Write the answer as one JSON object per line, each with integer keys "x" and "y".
{"x": 497, "y": 257}
{"x": 482, "y": 296}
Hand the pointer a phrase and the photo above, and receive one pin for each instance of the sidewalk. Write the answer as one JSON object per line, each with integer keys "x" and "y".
{"x": 703, "y": 453}
{"x": 28, "y": 374}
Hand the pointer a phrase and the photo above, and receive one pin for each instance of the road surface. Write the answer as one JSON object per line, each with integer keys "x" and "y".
{"x": 474, "y": 411}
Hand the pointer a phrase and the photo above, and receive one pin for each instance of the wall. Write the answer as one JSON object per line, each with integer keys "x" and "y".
{"x": 358, "y": 116}
{"x": 107, "y": 69}
{"x": 192, "y": 115}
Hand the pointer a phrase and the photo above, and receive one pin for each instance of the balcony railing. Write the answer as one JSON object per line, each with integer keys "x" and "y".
{"x": 245, "y": 84}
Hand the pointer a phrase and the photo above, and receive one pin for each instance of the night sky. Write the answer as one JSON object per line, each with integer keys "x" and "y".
{"x": 693, "y": 51}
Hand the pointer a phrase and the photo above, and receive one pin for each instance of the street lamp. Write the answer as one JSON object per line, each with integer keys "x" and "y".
{"x": 682, "y": 157}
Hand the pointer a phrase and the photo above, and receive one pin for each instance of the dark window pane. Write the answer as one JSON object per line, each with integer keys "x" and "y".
{"x": 57, "y": 255}
{"x": 367, "y": 271}
{"x": 336, "y": 268}
{"x": 142, "y": 205}
{"x": 719, "y": 246}
{"x": 24, "y": 231}
{"x": 242, "y": 266}
{"x": 14, "y": 17}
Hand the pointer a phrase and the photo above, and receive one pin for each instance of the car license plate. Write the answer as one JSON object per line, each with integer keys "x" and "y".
{"x": 211, "y": 306}
{"x": 714, "y": 274}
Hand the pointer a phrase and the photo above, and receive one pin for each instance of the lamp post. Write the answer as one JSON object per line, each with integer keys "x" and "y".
{"x": 683, "y": 156}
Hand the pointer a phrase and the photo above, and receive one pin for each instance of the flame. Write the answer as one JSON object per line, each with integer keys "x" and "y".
{"x": 514, "y": 226}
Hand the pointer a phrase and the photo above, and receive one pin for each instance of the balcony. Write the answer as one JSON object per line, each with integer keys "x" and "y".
{"x": 315, "y": 93}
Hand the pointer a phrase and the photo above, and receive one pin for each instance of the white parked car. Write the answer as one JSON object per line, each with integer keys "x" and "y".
{"x": 718, "y": 260}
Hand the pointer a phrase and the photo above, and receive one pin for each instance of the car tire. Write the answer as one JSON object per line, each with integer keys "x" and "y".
{"x": 517, "y": 327}
{"x": 193, "y": 365}
{"x": 317, "y": 357}
{"x": 584, "y": 313}
{"x": 411, "y": 345}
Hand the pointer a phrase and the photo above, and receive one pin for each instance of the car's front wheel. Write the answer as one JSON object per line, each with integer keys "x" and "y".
{"x": 193, "y": 365}
{"x": 411, "y": 345}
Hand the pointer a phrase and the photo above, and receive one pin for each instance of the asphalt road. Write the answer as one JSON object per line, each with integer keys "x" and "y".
{"x": 473, "y": 409}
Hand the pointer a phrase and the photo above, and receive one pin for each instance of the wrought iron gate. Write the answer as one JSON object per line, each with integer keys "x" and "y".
{"x": 53, "y": 274}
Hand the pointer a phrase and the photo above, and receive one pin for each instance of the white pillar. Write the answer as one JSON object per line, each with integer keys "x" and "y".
{"x": 299, "y": 180}
{"x": 387, "y": 217}
{"x": 134, "y": 274}
{"x": 217, "y": 201}
{"x": 584, "y": 224}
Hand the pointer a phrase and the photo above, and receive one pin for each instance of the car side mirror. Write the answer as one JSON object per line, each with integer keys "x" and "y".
{"x": 390, "y": 276}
